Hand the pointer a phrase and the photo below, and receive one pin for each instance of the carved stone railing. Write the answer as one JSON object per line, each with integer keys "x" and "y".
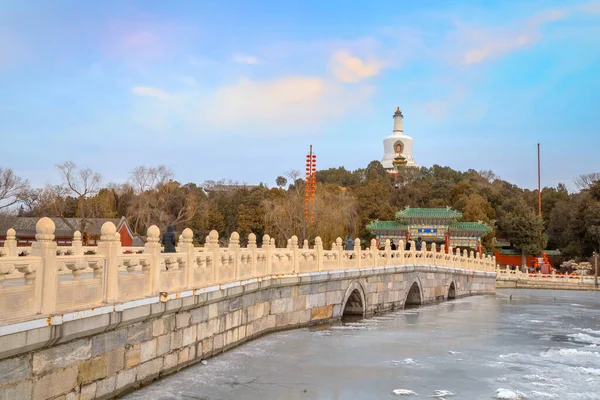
{"x": 507, "y": 274}
{"x": 52, "y": 280}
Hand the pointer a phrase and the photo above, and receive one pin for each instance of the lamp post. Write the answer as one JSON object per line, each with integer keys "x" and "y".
{"x": 596, "y": 270}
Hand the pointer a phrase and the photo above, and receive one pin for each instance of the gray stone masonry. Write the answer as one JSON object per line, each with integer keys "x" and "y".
{"x": 147, "y": 341}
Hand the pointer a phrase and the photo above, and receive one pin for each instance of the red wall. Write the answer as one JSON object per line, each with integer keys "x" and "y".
{"x": 512, "y": 260}
{"x": 126, "y": 239}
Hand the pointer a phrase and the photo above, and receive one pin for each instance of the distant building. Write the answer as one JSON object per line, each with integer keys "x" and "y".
{"x": 65, "y": 228}
{"x": 507, "y": 254}
{"x": 439, "y": 225}
{"x": 397, "y": 148}
{"x": 229, "y": 188}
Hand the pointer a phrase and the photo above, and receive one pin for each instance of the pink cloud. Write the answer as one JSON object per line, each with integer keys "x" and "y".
{"x": 140, "y": 41}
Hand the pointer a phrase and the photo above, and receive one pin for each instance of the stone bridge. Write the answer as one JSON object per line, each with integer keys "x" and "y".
{"x": 85, "y": 323}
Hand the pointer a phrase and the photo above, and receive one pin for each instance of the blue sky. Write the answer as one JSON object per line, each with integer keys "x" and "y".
{"x": 238, "y": 90}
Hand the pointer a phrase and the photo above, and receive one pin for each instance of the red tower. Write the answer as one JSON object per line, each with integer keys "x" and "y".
{"x": 310, "y": 189}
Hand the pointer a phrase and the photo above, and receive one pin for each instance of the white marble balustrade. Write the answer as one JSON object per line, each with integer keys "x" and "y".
{"x": 51, "y": 280}
{"x": 506, "y": 274}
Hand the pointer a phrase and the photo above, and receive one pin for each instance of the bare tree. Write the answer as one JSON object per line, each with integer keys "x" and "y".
{"x": 12, "y": 188}
{"x": 52, "y": 201}
{"x": 488, "y": 175}
{"x": 584, "y": 181}
{"x": 30, "y": 198}
{"x": 293, "y": 174}
{"x": 144, "y": 178}
{"x": 82, "y": 183}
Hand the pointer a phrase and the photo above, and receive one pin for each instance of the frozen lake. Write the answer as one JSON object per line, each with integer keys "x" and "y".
{"x": 539, "y": 344}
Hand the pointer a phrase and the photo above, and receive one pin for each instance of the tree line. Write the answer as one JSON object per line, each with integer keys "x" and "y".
{"x": 345, "y": 202}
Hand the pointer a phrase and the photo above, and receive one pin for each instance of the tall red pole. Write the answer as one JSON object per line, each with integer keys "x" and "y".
{"x": 311, "y": 185}
{"x": 539, "y": 184}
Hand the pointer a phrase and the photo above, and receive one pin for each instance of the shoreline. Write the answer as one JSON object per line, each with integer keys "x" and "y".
{"x": 545, "y": 285}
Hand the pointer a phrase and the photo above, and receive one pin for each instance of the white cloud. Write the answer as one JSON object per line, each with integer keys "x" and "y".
{"x": 276, "y": 107}
{"x": 281, "y": 106}
{"x": 350, "y": 69}
{"x": 150, "y": 92}
{"x": 496, "y": 46}
{"x": 476, "y": 45}
{"x": 245, "y": 59}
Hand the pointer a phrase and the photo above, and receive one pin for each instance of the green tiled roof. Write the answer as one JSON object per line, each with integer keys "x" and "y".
{"x": 386, "y": 226}
{"x": 428, "y": 213}
{"x": 469, "y": 226}
{"x": 515, "y": 252}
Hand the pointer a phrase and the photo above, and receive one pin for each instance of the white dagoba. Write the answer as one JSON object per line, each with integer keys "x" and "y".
{"x": 398, "y": 144}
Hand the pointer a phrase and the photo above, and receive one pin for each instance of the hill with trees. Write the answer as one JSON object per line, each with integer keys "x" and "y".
{"x": 345, "y": 202}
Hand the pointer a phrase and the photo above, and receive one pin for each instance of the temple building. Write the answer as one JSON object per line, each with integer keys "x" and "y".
{"x": 439, "y": 225}
{"x": 397, "y": 148}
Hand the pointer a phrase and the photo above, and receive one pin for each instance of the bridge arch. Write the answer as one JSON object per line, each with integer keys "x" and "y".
{"x": 414, "y": 297}
{"x": 355, "y": 301}
{"x": 451, "y": 291}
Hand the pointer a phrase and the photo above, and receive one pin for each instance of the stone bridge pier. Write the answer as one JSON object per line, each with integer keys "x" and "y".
{"x": 378, "y": 293}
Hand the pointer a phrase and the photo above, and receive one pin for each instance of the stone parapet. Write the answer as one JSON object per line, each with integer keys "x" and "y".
{"x": 51, "y": 282}
{"x": 508, "y": 278}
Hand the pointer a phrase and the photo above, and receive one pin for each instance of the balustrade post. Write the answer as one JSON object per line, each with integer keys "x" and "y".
{"x": 433, "y": 252}
{"x": 186, "y": 245}
{"x": 358, "y": 251}
{"x": 252, "y": 247}
{"x": 295, "y": 255}
{"x": 110, "y": 247}
{"x": 153, "y": 249}
{"x": 339, "y": 247}
{"x": 77, "y": 244}
{"x": 46, "y": 281}
{"x": 213, "y": 247}
{"x": 443, "y": 255}
{"x": 319, "y": 253}
{"x": 413, "y": 252}
{"x": 234, "y": 250}
{"x": 266, "y": 244}
{"x": 459, "y": 262}
{"x": 401, "y": 250}
{"x": 388, "y": 253}
{"x": 10, "y": 244}
{"x": 374, "y": 253}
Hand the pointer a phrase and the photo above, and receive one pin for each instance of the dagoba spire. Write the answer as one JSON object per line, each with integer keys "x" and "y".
{"x": 398, "y": 121}
{"x": 397, "y": 148}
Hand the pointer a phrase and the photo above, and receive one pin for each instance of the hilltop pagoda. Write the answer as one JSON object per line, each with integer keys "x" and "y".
{"x": 397, "y": 147}
{"x": 439, "y": 225}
